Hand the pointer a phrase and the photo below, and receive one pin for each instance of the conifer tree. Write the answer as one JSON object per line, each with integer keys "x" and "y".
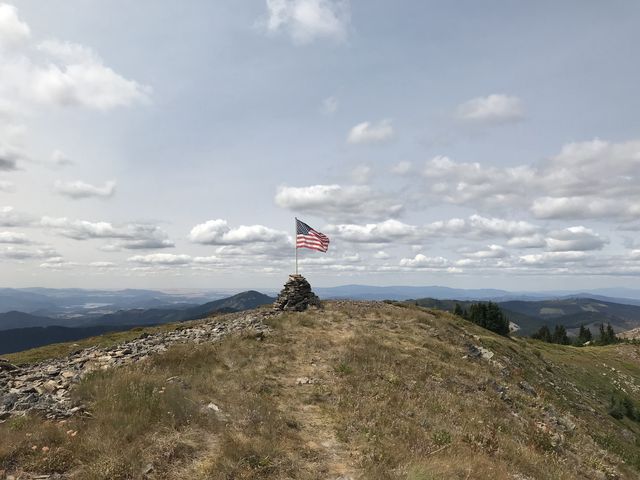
{"x": 488, "y": 315}
{"x": 560, "y": 335}
{"x": 611, "y": 335}
{"x": 584, "y": 335}
{"x": 602, "y": 338}
{"x": 543, "y": 334}
{"x": 607, "y": 335}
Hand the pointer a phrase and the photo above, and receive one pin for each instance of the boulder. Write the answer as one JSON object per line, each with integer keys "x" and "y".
{"x": 6, "y": 366}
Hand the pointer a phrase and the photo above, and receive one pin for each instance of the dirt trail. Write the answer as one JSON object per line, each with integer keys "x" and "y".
{"x": 312, "y": 374}
{"x": 304, "y": 380}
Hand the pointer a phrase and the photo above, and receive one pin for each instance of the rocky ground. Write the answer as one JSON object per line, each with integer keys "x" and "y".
{"x": 632, "y": 334}
{"x": 44, "y": 387}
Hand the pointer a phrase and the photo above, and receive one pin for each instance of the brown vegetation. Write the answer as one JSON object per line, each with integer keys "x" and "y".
{"x": 359, "y": 390}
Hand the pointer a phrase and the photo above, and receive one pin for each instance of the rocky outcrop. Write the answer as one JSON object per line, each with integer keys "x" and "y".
{"x": 632, "y": 334}
{"x": 296, "y": 295}
{"x": 44, "y": 387}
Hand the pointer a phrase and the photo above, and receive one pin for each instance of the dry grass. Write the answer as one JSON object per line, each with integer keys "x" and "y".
{"x": 365, "y": 390}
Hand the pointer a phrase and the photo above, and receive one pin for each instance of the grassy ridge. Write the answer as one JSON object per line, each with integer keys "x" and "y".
{"x": 360, "y": 389}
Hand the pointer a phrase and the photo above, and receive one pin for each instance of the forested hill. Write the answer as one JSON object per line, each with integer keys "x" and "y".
{"x": 570, "y": 312}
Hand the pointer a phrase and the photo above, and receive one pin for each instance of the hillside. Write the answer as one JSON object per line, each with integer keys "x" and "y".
{"x": 14, "y": 319}
{"x": 570, "y": 312}
{"x": 633, "y": 334}
{"x": 360, "y": 390}
{"x": 573, "y": 312}
{"x": 157, "y": 316}
{"x": 236, "y": 303}
{"x": 19, "y": 339}
{"x": 21, "y": 331}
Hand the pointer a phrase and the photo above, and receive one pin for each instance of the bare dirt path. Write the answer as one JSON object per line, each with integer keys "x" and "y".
{"x": 307, "y": 391}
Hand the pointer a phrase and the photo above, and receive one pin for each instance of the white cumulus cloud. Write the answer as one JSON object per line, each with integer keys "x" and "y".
{"x": 553, "y": 259}
{"x": 13, "y": 237}
{"x": 9, "y": 217}
{"x": 423, "y": 262}
{"x": 13, "y": 31}
{"x": 478, "y": 226}
{"x": 492, "y": 251}
{"x": 20, "y": 253}
{"x": 57, "y": 73}
{"x": 495, "y": 108}
{"x": 80, "y": 189}
{"x": 102, "y": 265}
{"x": 309, "y": 20}
{"x": 593, "y": 179}
{"x": 473, "y": 183}
{"x": 218, "y": 232}
{"x": 532, "y": 241}
{"x": 161, "y": 259}
{"x": 130, "y": 236}
{"x": 388, "y": 231}
{"x": 75, "y": 75}
{"x": 577, "y": 238}
{"x": 402, "y": 168}
{"x": 367, "y": 132}
{"x": 338, "y": 202}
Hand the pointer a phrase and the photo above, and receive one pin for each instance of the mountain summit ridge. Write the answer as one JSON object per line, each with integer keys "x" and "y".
{"x": 357, "y": 390}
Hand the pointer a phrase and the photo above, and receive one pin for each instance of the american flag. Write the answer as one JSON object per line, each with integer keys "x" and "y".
{"x": 307, "y": 237}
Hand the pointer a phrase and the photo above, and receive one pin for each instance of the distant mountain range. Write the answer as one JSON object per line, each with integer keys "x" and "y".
{"x": 570, "y": 312}
{"x": 370, "y": 292}
{"x": 23, "y": 330}
{"x": 27, "y": 315}
{"x": 72, "y": 302}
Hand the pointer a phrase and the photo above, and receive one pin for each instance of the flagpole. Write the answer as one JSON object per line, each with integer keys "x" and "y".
{"x": 295, "y": 241}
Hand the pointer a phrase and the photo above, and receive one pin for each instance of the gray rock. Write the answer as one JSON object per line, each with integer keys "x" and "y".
{"x": 474, "y": 351}
{"x": 296, "y": 295}
{"x": 528, "y": 388}
{"x": 5, "y": 366}
{"x": 566, "y": 423}
{"x": 8, "y": 400}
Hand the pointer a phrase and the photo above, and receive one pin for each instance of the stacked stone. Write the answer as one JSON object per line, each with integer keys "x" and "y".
{"x": 45, "y": 387}
{"x": 296, "y": 295}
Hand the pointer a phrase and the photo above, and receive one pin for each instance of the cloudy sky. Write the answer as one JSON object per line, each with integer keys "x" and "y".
{"x": 170, "y": 144}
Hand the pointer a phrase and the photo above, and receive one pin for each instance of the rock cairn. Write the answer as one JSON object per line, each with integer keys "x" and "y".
{"x": 296, "y": 295}
{"x": 44, "y": 387}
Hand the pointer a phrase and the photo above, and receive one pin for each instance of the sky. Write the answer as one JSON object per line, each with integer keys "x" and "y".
{"x": 156, "y": 144}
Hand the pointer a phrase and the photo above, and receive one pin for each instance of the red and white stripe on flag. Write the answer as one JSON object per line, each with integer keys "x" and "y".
{"x": 307, "y": 237}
